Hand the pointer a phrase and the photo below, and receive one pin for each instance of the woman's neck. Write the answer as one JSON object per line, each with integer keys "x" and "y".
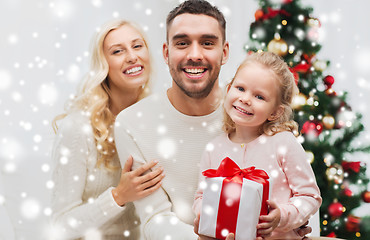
{"x": 123, "y": 99}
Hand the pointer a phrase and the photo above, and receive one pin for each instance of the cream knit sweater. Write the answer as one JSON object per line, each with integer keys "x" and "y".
{"x": 153, "y": 129}
{"x": 82, "y": 201}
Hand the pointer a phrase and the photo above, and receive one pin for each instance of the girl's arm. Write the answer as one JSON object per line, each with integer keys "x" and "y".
{"x": 305, "y": 199}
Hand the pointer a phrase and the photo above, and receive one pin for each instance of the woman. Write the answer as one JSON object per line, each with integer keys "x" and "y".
{"x": 85, "y": 201}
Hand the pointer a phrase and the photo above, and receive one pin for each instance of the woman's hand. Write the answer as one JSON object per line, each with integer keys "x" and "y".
{"x": 230, "y": 236}
{"x": 135, "y": 184}
{"x": 268, "y": 222}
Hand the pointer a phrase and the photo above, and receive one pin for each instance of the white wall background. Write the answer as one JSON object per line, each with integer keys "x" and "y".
{"x": 44, "y": 52}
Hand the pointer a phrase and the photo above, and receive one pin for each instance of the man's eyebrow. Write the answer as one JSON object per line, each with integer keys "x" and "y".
{"x": 179, "y": 36}
{"x": 204, "y": 36}
{"x": 209, "y": 36}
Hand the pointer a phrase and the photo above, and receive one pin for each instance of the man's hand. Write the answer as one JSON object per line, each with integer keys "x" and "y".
{"x": 230, "y": 236}
{"x": 303, "y": 230}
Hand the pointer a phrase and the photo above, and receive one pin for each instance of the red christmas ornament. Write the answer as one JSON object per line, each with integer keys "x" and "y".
{"x": 302, "y": 67}
{"x": 335, "y": 209}
{"x": 328, "y": 81}
{"x": 332, "y": 235}
{"x": 312, "y": 127}
{"x": 353, "y": 224}
{"x": 353, "y": 166}
{"x": 347, "y": 192}
{"x": 295, "y": 74}
{"x": 258, "y": 14}
{"x": 366, "y": 196}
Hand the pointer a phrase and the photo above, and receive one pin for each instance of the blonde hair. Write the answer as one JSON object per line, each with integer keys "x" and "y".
{"x": 288, "y": 89}
{"x": 93, "y": 95}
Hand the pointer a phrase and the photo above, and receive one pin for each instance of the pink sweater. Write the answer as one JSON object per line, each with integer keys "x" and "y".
{"x": 293, "y": 186}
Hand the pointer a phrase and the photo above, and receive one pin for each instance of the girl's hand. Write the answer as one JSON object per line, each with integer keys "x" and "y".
{"x": 268, "y": 222}
{"x": 230, "y": 236}
{"x": 135, "y": 185}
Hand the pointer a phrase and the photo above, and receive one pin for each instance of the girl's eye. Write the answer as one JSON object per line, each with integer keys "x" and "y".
{"x": 138, "y": 46}
{"x": 240, "y": 89}
{"x": 260, "y": 97}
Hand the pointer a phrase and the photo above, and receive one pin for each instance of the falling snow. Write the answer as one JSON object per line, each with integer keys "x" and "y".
{"x": 46, "y": 57}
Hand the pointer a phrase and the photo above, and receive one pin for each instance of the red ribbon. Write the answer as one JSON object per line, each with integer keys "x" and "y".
{"x": 233, "y": 174}
{"x": 271, "y": 13}
{"x": 354, "y": 166}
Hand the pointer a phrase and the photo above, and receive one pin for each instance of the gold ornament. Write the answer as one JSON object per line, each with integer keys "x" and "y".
{"x": 310, "y": 157}
{"x": 328, "y": 121}
{"x": 328, "y": 159}
{"x": 313, "y": 22}
{"x": 330, "y": 92}
{"x": 335, "y": 173}
{"x": 278, "y": 46}
{"x": 299, "y": 100}
{"x": 320, "y": 65}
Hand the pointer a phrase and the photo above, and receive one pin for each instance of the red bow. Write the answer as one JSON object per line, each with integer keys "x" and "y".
{"x": 228, "y": 168}
{"x": 271, "y": 13}
{"x": 354, "y": 166}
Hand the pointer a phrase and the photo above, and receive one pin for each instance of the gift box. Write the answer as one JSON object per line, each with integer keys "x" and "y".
{"x": 233, "y": 200}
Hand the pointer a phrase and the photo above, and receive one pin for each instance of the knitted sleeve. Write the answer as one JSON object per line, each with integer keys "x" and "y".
{"x": 205, "y": 163}
{"x": 71, "y": 214}
{"x": 305, "y": 200}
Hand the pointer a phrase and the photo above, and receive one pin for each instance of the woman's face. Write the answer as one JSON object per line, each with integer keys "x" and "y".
{"x": 128, "y": 59}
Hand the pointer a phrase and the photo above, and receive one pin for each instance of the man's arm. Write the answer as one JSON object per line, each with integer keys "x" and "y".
{"x": 157, "y": 219}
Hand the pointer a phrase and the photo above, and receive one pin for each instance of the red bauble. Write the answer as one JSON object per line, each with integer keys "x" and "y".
{"x": 335, "y": 209}
{"x": 332, "y": 235}
{"x": 353, "y": 224}
{"x": 347, "y": 192}
{"x": 312, "y": 127}
{"x": 366, "y": 196}
{"x": 329, "y": 81}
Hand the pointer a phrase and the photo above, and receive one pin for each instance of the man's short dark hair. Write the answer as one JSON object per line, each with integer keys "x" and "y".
{"x": 198, "y": 7}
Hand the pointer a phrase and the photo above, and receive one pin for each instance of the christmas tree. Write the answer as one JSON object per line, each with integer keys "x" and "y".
{"x": 328, "y": 126}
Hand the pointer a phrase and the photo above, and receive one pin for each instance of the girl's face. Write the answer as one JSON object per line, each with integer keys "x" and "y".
{"x": 128, "y": 58}
{"x": 253, "y": 97}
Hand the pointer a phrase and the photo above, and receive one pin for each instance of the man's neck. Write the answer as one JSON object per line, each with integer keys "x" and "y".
{"x": 195, "y": 106}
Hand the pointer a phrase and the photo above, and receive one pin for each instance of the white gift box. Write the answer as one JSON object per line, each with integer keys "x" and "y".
{"x": 249, "y": 210}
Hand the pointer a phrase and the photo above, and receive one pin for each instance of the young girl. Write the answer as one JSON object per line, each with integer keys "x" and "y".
{"x": 260, "y": 132}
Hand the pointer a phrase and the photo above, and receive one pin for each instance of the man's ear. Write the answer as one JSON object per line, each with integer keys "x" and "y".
{"x": 165, "y": 52}
{"x": 225, "y": 53}
{"x": 277, "y": 113}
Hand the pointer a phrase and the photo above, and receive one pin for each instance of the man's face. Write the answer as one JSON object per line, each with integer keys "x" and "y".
{"x": 194, "y": 53}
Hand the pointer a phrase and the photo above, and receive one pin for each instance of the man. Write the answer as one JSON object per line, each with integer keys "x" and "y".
{"x": 175, "y": 127}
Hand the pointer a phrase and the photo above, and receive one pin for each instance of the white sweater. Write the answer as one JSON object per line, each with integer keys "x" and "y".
{"x": 153, "y": 129}
{"x": 82, "y": 201}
